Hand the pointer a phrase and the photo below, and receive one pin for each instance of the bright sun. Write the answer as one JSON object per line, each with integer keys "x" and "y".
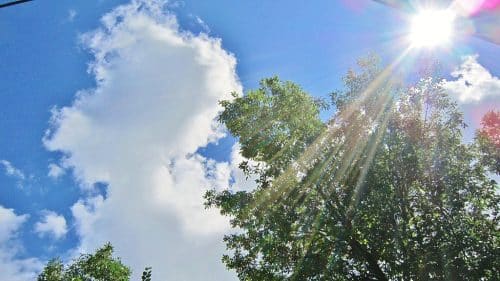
{"x": 431, "y": 28}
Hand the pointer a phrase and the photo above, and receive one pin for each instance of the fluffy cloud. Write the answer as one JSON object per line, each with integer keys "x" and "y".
{"x": 10, "y": 223}
{"x": 473, "y": 83}
{"x": 13, "y": 268}
{"x": 12, "y": 171}
{"x": 476, "y": 90}
{"x": 154, "y": 106}
{"x": 51, "y": 224}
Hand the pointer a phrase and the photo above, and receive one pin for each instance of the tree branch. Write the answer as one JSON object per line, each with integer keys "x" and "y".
{"x": 370, "y": 258}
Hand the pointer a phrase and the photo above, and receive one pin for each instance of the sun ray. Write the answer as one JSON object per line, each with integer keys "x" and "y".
{"x": 280, "y": 186}
{"x": 383, "y": 114}
{"x": 377, "y": 137}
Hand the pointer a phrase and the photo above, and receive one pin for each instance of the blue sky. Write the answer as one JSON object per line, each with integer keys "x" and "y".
{"x": 145, "y": 104}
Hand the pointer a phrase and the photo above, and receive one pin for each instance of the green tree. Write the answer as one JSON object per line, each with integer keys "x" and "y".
{"x": 385, "y": 190}
{"x": 53, "y": 271}
{"x": 100, "y": 266}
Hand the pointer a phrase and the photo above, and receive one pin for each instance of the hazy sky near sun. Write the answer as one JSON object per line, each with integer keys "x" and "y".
{"x": 107, "y": 128}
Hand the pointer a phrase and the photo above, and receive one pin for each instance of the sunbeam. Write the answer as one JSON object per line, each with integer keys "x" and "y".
{"x": 281, "y": 185}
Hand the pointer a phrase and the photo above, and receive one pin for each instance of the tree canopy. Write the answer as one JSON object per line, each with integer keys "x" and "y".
{"x": 488, "y": 140}
{"x": 384, "y": 190}
{"x": 100, "y": 266}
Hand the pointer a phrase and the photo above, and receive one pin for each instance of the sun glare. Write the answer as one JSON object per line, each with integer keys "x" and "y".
{"x": 431, "y": 28}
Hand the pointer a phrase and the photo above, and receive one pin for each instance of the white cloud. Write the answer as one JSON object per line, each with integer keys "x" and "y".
{"x": 154, "y": 105}
{"x": 473, "y": 83}
{"x": 476, "y": 90}
{"x": 51, "y": 224}
{"x": 10, "y": 223}
{"x": 12, "y": 171}
{"x": 13, "y": 268}
{"x": 55, "y": 171}
{"x": 241, "y": 181}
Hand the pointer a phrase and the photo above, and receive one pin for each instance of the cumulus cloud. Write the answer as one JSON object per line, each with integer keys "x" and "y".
{"x": 10, "y": 223}
{"x": 138, "y": 131}
{"x": 51, "y": 224}
{"x": 13, "y": 268}
{"x": 473, "y": 83}
{"x": 55, "y": 171}
{"x": 476, "y": 90}
{"x": 12, "y": 171}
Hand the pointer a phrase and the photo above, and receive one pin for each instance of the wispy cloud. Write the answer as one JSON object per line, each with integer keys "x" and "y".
{"x": 71, "y": 15}
{"x": 203, "y": 25}
{"x": 12, "y": 171}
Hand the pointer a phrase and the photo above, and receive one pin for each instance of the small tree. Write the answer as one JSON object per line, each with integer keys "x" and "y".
{"x": 100, "y": 266}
